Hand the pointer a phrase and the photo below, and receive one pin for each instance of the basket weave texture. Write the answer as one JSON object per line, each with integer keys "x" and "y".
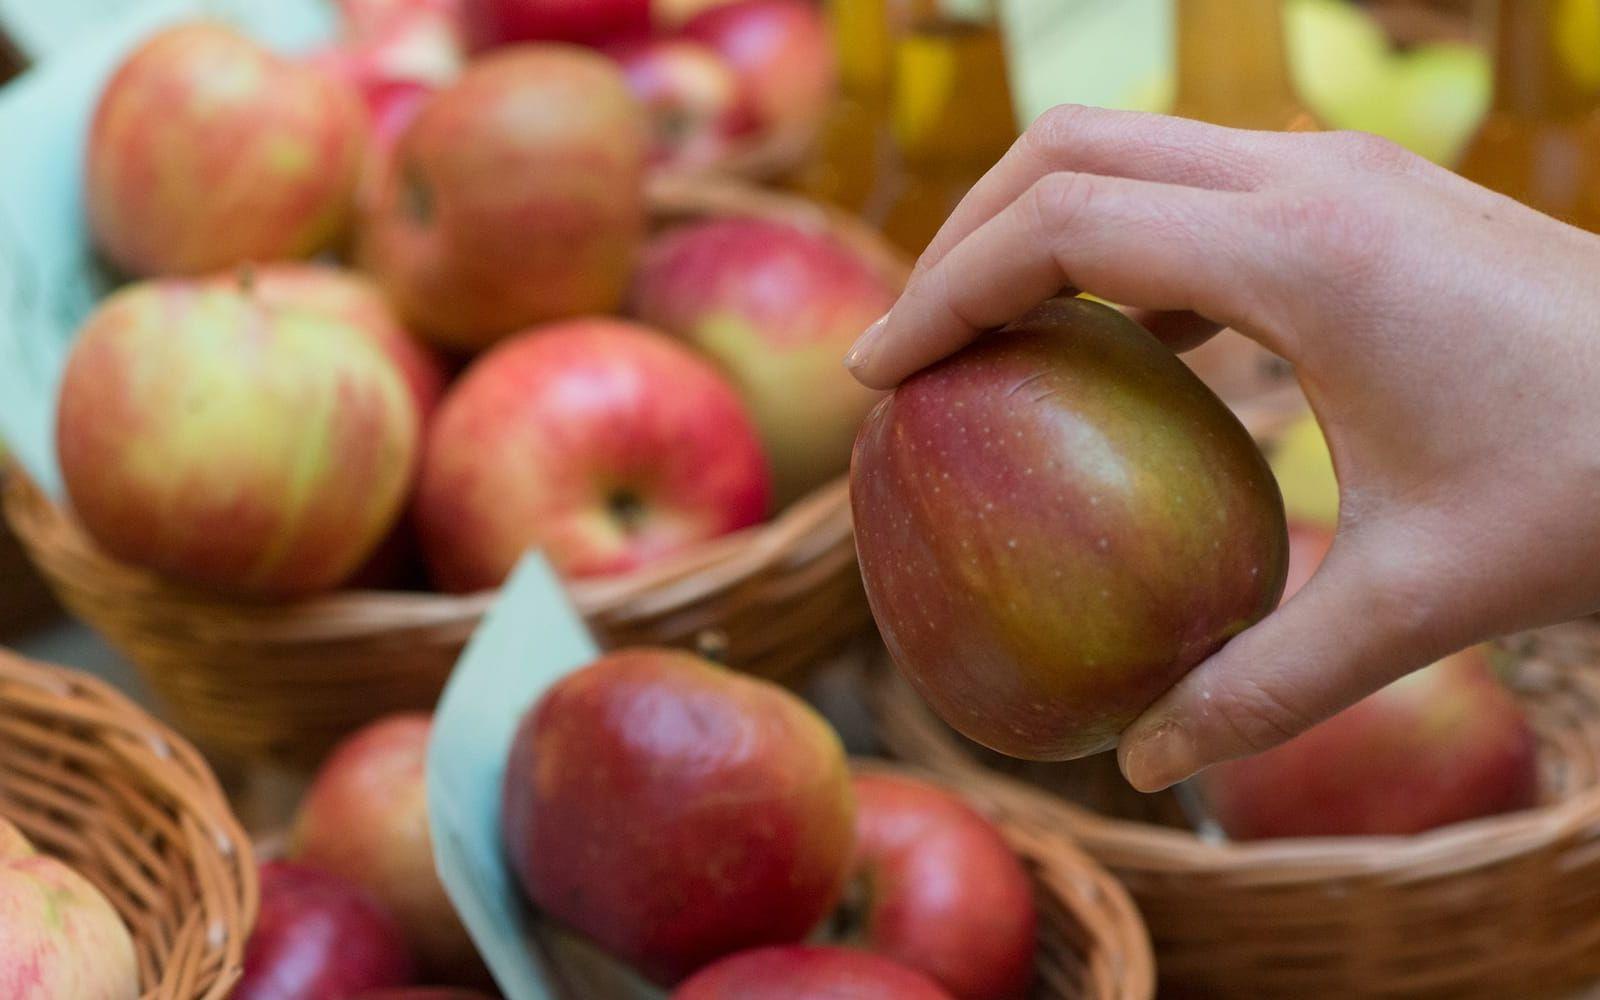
{"x": 1506, "y": 906}
{"x": 91, "y": 778}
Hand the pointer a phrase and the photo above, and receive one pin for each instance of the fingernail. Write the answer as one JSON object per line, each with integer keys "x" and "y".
{"x": 861, "y": 351}
{"x": 1160, "y": 758}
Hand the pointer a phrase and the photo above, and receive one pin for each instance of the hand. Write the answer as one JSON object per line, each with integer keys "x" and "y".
{"x": 1447, "y": 338}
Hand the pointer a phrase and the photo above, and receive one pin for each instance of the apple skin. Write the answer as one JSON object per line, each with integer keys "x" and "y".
{"x": 59, "y": 935}
{"x": 776, "y": 306}
{"x": 1443, "y": 745}
{"x": 944, "y": 894}
{"x": 1056, "y": 524}
{"x": 488, "y": 218}
{"x": 232, "y": 443}
{"x": 365, "y": 817}
{"x": 675, "y": 812}
{"x": 207, "y": 151}
{"x": 423, "y": 993}
{"x": 319, "y": 937}
{"x": 698, "y": 111}
{"x": 807, "y": 972}
{"x": 493, "y": 23}
{"x": 782, "y": 52}
{"x": 603, "y": 442}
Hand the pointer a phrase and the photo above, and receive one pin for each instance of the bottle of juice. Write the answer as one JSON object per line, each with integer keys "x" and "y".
{"x": 852, "y": 163}
{"x": 1233, "y": 66}
{"x": 1540, "y": 142}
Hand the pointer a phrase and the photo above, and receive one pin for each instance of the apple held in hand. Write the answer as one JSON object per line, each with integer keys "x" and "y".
{"x": 602, "y": 442}
{"x": 207, "y": 150}
{"x": 800, "y": 972}
{"x": 941, "y": 891}
{"x": 697, "y": 109}
{"x": 231, "y": 442}
{"x": 59, "y": 935}
{"x": 1056, "y": 524}
{"x": 675, "y": 812}
{"x": 515, "y": 197}
{"x": 492, "y": 23}
{"x": 365, "y": 818}
{"x": 776, "y": 306}
{"x": 781, "y": 51}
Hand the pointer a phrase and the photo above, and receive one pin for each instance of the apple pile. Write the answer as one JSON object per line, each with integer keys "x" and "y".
{"x": 270, "y": 408}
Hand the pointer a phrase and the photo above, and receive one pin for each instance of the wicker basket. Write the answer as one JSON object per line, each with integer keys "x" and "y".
{"x": 281, "y": 683}
{"x": 1501, "y": 907}
{"x": 90, "y": 778}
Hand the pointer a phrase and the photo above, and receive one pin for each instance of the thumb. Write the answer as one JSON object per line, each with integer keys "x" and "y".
{"x": 1347, "y": 633}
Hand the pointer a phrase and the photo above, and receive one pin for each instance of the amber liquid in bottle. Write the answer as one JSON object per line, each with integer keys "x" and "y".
{"x": 1233, "y": 66}
{"x": 952, "y": 115}
{"x": 1540, "y": 142}
{"x": 852, "y": 162}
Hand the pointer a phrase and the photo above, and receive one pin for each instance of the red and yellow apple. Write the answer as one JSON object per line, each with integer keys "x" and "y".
{"x": 675, "y": 812}
{"x": 1056, "y": 524}
{"x": 365, "y": 818}
{"x": 602, "y": 442}
{"x": 782, "y": 52}
{"x": 492, "y": 23}
{"x": 697, "y": 110}
{"x": 59, "y": 935}
{"x": 776, "y": 306}
{"x": 231, "y": 442}
{"x": 515, "y": 197}
{"x": 808, "y": 972}
{"x": 206, "y": 151}
{"x": 940, "y": 891}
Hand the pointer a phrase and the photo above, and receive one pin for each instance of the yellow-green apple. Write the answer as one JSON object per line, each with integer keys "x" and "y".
{"x": 231, "y": 442}
{"x": 939, "y": 890}
{"x": 1303, "y": 466}
{"x": 808, "y": 972}
{"x": 207, "y": 150}
{"x": 781, "y": 51}
{"x": 59, "y": 935}
{"x": 515, "y": 197}
{"x": 365, "y": 817}
{"x": 698, "y": 112}
{"x": 320, "y": 937}
{"x": 492, "y": 23}
{"x": 776, "y": 306}
{"x": 674, "y": 811}
{"x": 1440, "y": 746}
{"x": 602, "y": 442}
{"x": 1056, "y": 524}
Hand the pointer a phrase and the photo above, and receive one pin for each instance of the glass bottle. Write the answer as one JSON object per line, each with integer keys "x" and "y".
{"x": 1233, "y": 66}
{"x": 852, "y": 161}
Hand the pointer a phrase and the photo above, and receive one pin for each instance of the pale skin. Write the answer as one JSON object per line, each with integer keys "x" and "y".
{"x": 1448, "y": 339}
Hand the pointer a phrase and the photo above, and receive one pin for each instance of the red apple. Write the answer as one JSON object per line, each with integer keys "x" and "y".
{"x": 697, "y": 109}
{"x": 602, "y": 442}
{"x": 1056, "y": 524}
{"x": 319, "y": 937}
{"x": 59, "y": 935}
{"x": 776, "y": 306}
{"x": 675, "y": 812}
{"x": 783, "y": 54}
{"x": 363, "y": 21}
{"x": 515, "y": 197}
{"x": 232, "y": 442}
{"x": 1440, "y": 746}
{"x": 800, "y": 972}
{"x": 941, "y": 890}
{"x": 207, "y": 150}
{"x": 492, "y": 23}
{"x": 423, "y": 993}
{"x": 365, "y": 818}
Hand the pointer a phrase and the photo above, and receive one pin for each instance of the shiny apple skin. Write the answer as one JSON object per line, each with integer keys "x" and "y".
{"x": 698, "y": 111}
{"x": 783, "y": 54}
{"x": 942, "y": 891}
{"x": 675, "y": 812}
{"x": 802, "y": 972}
{"x": 1056, "y": 524}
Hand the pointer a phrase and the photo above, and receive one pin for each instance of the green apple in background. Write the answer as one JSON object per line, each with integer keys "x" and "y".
{"x": 1340, "y": 56}
{"x": 1304, "y": 469}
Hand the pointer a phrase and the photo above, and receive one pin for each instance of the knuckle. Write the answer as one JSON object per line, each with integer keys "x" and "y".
{"x": 1252, "y": 717}
{"x": 1056, "y": 129}
{"x": 1337, "y": 236}
{"x": 1372, "y": 153}
{"x": 1057, "y": 200}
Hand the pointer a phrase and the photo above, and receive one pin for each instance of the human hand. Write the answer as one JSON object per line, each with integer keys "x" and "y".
{"x": 1447, "y": 338}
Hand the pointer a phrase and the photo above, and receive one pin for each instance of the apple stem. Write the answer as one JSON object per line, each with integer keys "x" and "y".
{"x": 712, "y": 644}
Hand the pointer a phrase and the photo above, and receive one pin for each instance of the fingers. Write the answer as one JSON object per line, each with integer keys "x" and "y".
{"x": 1143, "y": 244}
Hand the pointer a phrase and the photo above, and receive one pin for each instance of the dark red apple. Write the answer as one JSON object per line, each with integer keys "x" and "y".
{"x": 492, "y": 23}
{"x": 675, "y": 812}
{"x": 698, "y": 112}
{"x": 800, "y": 972}
{"x": 319, "y": 937}
{"x": 940, "y": 890}
{"x": 1056, "y": 524}
{"x": 602, "y": 442}
{"x": 423, "y": 993}
{"x": 783, "y": 54}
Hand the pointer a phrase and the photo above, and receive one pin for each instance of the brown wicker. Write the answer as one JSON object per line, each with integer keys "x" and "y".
{"x": 25, "y": 600}
{"x": 1502, "y": 907}
{"x": 282, "y": 683}
{"x": 89, "y": 777}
